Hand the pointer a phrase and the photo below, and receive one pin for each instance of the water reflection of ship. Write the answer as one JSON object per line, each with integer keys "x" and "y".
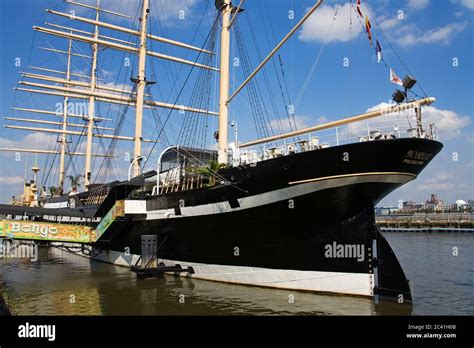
{"x": 100, "y": 289}
{"x": 165, "y": 296}
{"x": 36, "y": 291}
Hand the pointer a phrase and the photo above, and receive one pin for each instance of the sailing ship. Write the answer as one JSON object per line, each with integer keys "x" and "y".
{"x": 284, "y": 211}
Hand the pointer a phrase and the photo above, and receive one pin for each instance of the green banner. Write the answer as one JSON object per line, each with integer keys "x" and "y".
{"x": 117, "y": 210}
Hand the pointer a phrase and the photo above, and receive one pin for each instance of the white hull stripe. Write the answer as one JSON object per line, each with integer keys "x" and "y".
{"x": 331, "y": 282}
{"x": 296, "y": 190}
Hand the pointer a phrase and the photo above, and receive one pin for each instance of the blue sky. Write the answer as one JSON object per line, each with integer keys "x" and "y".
{"x": 433, "y": 38}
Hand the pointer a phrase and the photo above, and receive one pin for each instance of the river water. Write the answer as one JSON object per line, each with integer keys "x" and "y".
{"x": 64, "y": 284}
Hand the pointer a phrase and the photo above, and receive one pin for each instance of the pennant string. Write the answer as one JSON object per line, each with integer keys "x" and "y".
{"x": 394, "y": 51}
{"x": 371, "y": 42}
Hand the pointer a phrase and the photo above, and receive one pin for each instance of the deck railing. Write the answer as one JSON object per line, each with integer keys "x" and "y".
{"x": 390, "y": 127}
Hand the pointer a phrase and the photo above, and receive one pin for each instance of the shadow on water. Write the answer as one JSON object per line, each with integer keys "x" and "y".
{"x": 61, "y": 283}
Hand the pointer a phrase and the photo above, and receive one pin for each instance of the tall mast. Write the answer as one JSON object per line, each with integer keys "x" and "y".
{"x": 91, "y": 108}
{"x": 67, "y": 87}
{"x": 226, "y": 9}
{"x": 63, "y": 138}
{"x": 141, "y": 83}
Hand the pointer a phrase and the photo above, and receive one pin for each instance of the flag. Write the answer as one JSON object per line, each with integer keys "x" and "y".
{"x": 368, "y": 28}
{"x": 378, "y": 48}
{"x": 359, "y": 11}
{"x": 394, "y": 78}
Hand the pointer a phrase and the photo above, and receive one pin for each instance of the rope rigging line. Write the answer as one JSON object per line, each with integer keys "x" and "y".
{"x": 47, "y": 157}
{"x": 349, "y": 68}
{"x": 101, "y": 142}
{"x": 264, "y": 74}
{"x": 256, "y": 111}
{"x": 315, "y": 64}
{"x": 110, "y": 151}
{"x": 172, "y": 67}
{"x": 72, "y": 159}
{"x": 172, "y": 73}
{"x": 73, "y": 163}
{"x": 46, "y": 176}
{"x": 257, "y": 105}
{"x": 290, "y": 115}
{"x": 104, "y": 168}
{"x": 193, "y": 132}
{"x": 157, "y": 117}
{"x": 56, "y": 155}
{"x": 182, "y": 89}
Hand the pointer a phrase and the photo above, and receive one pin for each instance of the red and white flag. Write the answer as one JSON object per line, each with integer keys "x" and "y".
{"x": 359, "y": 11}
{"x": 395, "y": 79}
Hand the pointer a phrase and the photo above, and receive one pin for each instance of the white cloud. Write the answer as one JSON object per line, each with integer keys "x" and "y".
{"x": 444, "y": 182}
{"x": 408, "y": 34}
{"x": 283, "y": 125}
{"x": 165, "y": 11}
{"x": 11, "y": 180}
{"x": 448, "y": 122}
{"x": 171, "y": 10}
{"x": 120, "y": 87}
{"x": 468, "y": 3}
{"x": 411, "y": 36}
{"x": 449, "y": 179}
{"x": 440, "y": 179}
{"x": 320, "y": 27}
{"x": 435, "y": 186}
{"x": 30, "y": 141}
{"x": 40, "y": 141}
{"x": 389, "y": 23}
{"x": 379, "y": 106}
{"x": 418, "y": 4}
{"x": 384, "y": 123}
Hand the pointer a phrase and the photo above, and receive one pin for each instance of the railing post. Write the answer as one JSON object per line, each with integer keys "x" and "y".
{"x": 131, "y": 165}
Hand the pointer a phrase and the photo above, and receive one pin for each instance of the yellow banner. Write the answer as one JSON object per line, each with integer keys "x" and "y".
{"x": 52, "y": 232}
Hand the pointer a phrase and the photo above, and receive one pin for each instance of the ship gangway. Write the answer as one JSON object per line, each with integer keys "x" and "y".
{"x": 31, "y": 229}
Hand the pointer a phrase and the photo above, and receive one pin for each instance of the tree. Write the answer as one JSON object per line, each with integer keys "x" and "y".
{"x": 53, "y": 190}
{"x": 210, "y": 171}
{"x": 75, "y": 181}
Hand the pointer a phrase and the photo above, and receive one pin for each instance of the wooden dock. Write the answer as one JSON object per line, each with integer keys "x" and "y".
{"x": 428, "y": 229}
{"x": 448, "y": 222}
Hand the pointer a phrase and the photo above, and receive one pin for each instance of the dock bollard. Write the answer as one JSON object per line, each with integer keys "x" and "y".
{"x": 149, "y": 249}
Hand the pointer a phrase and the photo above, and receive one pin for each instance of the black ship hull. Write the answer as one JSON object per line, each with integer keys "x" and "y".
{"x": 304, "y": 221}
